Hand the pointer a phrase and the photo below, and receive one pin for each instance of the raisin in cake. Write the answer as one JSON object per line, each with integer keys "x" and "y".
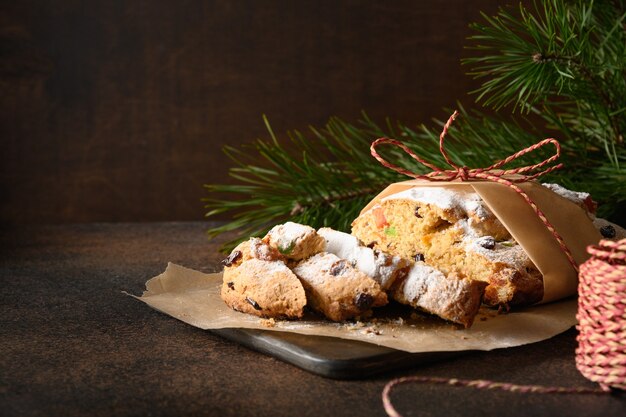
{"x": 257, "y": 281}
{"x": 336, "y": 289}
{"x": 452, "y": 230}
{"x": 253, "y": 248}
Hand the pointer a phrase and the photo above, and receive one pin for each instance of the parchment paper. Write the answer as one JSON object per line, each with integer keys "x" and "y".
{"x": 193, "y": 297}
{"x": 560, "y": 280}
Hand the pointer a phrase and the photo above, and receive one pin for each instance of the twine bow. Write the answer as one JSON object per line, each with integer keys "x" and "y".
{"x": 491, "y": 173}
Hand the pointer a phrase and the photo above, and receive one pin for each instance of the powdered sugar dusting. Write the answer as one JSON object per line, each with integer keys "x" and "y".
{"x": 508, "y": 252}
{"x": 386, "y": 268}
{"x": 420, "y": 280}
{"x": 285, "y": 235}
{"x": 467, "y": 226}
{"x": 343, "y": 245}
{"x": 377, "y": 265}
{"x": 266, "y": 268}
{"x": 575, "y": 196}
{"x": 459, "y": 200}
{"x": 315, "y": 269}
{"x": 260, "y": 249}
{"x": 477, "y": 206}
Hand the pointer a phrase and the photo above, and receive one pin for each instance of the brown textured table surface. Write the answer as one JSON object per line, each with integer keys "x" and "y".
{"x": 72, "y": 344}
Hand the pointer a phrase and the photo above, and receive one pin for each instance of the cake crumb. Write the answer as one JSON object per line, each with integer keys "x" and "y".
{"x": 399, "y": 321}
{"x": 366, "y": 328}
{"x": 268, "y": 322}
{"x": 373, "y": 330}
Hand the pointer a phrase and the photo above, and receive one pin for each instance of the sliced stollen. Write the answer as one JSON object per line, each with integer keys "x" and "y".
{"x": 257, "y": 281}
{"x": 448, "y": 296}
{"x": 253, "y": 248}
{"x": 337, "y": 289}
{"x": 384, "y": 268}
{"x": 453, "y": 230}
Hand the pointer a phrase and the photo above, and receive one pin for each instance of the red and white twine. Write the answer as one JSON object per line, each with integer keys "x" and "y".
{"x": 491, "y": 173}
{"x": 479, "y": 384}
{"x": 601, "y": 352}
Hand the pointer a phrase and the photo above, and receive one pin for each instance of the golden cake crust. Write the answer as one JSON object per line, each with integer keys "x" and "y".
{"x": 263, "y": 288}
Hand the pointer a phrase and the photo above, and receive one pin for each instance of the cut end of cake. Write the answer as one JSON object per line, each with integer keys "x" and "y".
{"x": 450, "y": 297}
{"x": 453, "y": 230}
{"x": 337, "y": 289}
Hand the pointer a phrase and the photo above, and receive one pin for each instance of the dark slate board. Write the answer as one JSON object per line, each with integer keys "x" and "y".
{"x": 328, "y": 356}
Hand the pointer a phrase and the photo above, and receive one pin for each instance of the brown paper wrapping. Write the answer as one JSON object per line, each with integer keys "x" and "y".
{"x": 193, "y": 297}
{"x": 570, "y": 221}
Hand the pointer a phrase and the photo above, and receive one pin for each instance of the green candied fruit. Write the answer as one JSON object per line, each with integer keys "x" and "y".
{"x": 286, "y": 250}
{"x": 391, "y": 231}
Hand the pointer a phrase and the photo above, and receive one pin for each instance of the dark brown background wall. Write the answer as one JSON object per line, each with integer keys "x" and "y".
{"x": 116, "y": 110}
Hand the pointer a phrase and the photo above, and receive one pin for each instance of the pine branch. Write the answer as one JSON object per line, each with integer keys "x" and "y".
{"x": 563, "y": 62}
{"x": 571, "y": 53}
{"x": 319, "y": 180}
{"x": 294, "y": 183}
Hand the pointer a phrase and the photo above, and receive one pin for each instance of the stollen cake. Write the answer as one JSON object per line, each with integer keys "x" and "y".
{"x": 450, "y": 297}
{"x": 452, "y": 230}
{"x": 607, "y": 229}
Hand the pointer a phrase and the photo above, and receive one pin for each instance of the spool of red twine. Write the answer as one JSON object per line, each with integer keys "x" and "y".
{"x": 601, "y": 352}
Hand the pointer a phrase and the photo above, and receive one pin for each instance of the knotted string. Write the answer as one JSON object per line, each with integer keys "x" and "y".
{"x": 491, "y": 173}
